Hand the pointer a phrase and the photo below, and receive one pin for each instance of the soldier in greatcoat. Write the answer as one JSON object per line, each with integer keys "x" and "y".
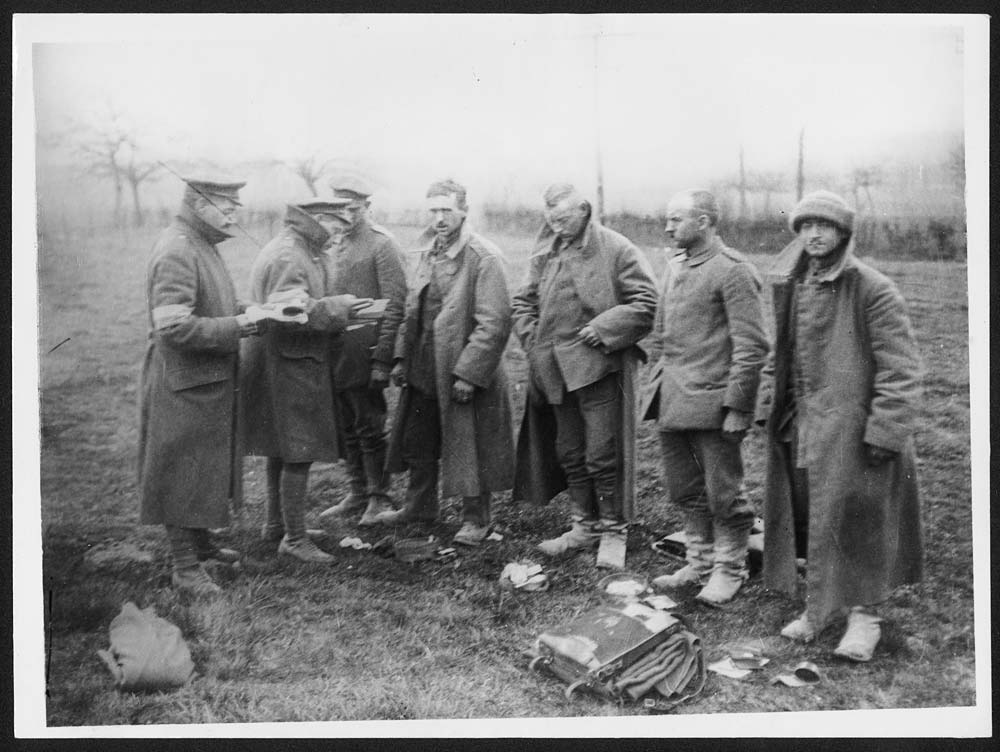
{"x": 189, "y": 465}
{"x": 368, "y": 263}
{"x": 840, "y": 402}
{"x": 453, "y": 416}
{"x": 587, "y": 300}
{"x": 287, "y": 392}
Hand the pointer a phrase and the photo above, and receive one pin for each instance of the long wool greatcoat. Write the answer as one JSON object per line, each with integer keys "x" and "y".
{"x": 614, "y": 285}
{"x": 861, "y": 370}
{"x": 189, "y": 464}
{"x": 287, "y": 385}
{"x": 470, "y": 335}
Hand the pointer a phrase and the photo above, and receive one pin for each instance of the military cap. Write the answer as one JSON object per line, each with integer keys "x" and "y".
{"x": 823, "y": 205}
{"x": 323, "y": 205}
{"x": 351, "y": 187}
{"x": 213, "y": 184}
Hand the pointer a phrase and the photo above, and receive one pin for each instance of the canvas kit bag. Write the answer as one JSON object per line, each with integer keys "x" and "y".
{"x": 624, "y": 653}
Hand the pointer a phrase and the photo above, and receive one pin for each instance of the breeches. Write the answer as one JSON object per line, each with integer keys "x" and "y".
{"x": 362, "y": 412}
{"x": 587, "y": 427}
{"x": 703, "y": 472}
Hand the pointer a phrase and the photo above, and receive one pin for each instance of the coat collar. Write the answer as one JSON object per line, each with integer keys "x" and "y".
{"x": 428, "y": 235}
{"x": 709, "y": 251}
{"x": 793, "y": 257}
{"x": 302, "y": 223}
{"x": 211, "y": 235}
{"x": 589, "y": 243}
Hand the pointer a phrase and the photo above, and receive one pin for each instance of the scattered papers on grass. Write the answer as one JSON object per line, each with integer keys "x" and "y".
{"x": 625, "y": 587}
{"x": 524, "y": 575}
{"x": 661, "y": 602}
{"x": 356, "y": 543}
{"x": 494, "y": 536}
{"x": 726, "y": 668}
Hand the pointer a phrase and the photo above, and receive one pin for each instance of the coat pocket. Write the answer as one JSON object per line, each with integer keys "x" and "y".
{"x": 180, "y": 378}
{"x": 299, "y": 345}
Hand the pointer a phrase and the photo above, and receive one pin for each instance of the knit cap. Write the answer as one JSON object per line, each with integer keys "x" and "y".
{"x": 823, "y": 205}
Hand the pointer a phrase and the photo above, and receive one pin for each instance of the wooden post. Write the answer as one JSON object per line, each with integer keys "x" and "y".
{"x": 800, "y": 179}
{"x": 597, "y": 134}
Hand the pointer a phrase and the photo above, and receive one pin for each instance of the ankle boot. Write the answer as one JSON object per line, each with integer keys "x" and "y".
{"x": 580, "y": 535}
{"x": 698, "y": 537}
{"x": 729, "y": 570}
{"x": 421, "y": 497}
{"x": 377, "y": 504}
{"x": 862, "y": 635}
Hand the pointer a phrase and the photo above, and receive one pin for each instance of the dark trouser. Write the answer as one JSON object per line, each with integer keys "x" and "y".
{"x": 421, "y": 452}
{"x": 362, "y": 412}
{"x": 587, "y": 426}
{"x": 704, "y": 473}
{"x": 799, "y": 487}
{"x": 287, "y": 483}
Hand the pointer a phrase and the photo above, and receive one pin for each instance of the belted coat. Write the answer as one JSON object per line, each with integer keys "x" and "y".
{"x": 189, "y": 465}
{"x": 368, "y": 263}
{"x": 287, "y": 375}
{"x": 616, "y": 289}
{"x": 859, "y": 384}
{"x": 470, "y": 335}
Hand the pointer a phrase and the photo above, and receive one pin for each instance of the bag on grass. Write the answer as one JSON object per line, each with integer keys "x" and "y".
{"x": 147, "y": 652}
{"x": 624, "y": 653}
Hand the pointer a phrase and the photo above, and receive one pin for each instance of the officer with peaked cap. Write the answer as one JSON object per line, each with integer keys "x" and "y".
{"x": 287, "y": 391}
{"x": 189, "y": 469}
{"x": 369, "y": 264}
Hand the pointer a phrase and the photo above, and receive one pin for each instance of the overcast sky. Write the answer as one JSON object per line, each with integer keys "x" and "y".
{"x": 507, "y": 103}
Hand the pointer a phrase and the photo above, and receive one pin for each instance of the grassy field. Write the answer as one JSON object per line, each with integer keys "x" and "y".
{"x": 373, "y": 638}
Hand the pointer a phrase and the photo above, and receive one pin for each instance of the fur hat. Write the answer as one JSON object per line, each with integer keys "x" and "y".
{"x": 823, "y": 205}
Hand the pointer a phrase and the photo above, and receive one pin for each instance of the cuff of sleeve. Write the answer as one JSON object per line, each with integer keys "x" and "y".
{"x": 461, "y": 373}
{"x": 888, "y": 437}
{"x": 739, "y": 398}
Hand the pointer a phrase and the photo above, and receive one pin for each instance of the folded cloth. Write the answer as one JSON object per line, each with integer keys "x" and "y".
{"x": 670, "y": 667}
{"x": 147, "y": 652}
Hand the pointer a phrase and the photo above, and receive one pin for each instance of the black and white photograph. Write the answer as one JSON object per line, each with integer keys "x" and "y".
{"x": 499, "y": 375}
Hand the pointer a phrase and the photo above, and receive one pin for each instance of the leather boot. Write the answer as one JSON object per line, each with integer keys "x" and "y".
{"x": 475, "y": 520}
{"x": 862, "y": 635}
{"x": 377, "y": 504}
{"x": 377, "y": 487}
{"x": 800, "y": 630}
{"x": 351, "y": 503}
{"x": 582, "y": 502}
{"x": 421, "y": 497}
{"x": 580, "y": 535}
{"x": 729, "y": 570}
{"x": 698, "y": 544}
{"x": 194, "y": 582}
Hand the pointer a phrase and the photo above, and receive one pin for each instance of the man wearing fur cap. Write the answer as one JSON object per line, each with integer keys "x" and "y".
{"x": 839, "y": 404}
{"x": 287, "y": 392}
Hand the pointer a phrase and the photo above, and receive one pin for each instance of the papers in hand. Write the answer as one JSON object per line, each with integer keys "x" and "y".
{"x": 290, "y": 313}
{"x": 375, "y": 311}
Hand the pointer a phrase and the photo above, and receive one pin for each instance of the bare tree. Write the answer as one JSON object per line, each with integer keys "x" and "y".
{"x": 311, "y": 169}
{"x": 864, "y": 178}
{"x": 136, "y": 171}
{"x": 108, "y": 147}
{"x": 800, "y": 175}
